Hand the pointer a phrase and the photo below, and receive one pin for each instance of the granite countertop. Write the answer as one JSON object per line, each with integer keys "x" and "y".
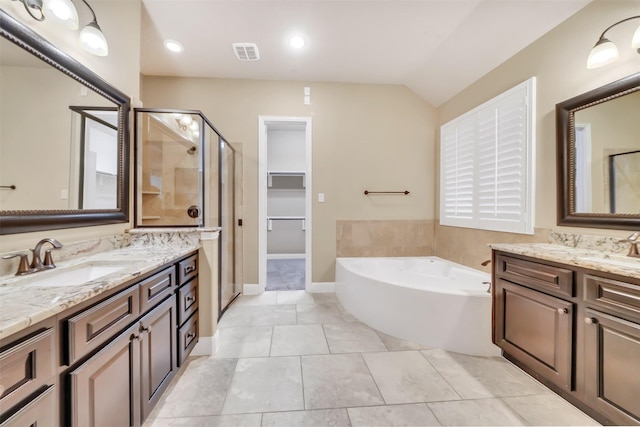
{"x": 23, "y": 303}
{"x": 587, "y": 258}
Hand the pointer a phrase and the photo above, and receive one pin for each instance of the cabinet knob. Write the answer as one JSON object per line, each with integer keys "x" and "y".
{"x": 590, "y": 320}
{"x": 563, "y": 310}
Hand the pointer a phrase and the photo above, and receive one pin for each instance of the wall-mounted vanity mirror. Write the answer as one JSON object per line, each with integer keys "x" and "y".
{"x": 64, "y": 138}
{"x": 599, "y": 157}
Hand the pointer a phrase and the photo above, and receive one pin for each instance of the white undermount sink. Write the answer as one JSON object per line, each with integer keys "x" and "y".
{"x": 618, "y": 260}
{"x": 75, "y": 275}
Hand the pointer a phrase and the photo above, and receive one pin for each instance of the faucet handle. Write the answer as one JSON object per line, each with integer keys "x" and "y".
{"x": 48, "y": 259}
{"x": 23, "y": 265}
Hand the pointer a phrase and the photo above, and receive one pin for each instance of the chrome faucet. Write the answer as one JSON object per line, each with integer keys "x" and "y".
{"x": 36, "y": 262}
{"x": 634, "y": 240}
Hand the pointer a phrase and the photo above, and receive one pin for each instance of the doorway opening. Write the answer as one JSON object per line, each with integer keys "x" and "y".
{"x": 284, "y": 207}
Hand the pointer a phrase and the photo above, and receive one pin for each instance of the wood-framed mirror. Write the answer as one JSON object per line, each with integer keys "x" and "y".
{"x": 598, "y": 149}
{"x": 64, "y": 138}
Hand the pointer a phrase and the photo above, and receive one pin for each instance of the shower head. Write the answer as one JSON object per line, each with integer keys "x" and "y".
{"x": 191, "y": 150}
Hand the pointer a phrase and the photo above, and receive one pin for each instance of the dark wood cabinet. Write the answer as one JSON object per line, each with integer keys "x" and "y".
{"x": 575, "y": 329}
{"x": 105, "y": 389}
{"x": 158, "y": 355}
{"x": 39, "y": 412}
{"x": 106, "y": 361}
{"x": 537, "y": 329}
{"x": 612, "y": 363}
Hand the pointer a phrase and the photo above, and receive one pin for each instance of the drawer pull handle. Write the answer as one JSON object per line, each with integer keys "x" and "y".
{"x": 590, "y": 320}
{"x": 147, "y": 329}
{"x": 137, "y": 337}
{"x": 190, "y": 335}
{"x": 190, "y": 299}
{"x": 188, "y": 269}
{"x": 563, "y": 310}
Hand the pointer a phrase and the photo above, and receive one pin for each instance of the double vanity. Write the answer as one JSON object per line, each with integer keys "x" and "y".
{"x": 97, "y": 340}
{"x": 571, "y": 318}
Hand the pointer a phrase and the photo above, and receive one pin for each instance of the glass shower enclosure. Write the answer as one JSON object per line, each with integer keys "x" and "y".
{"x": 185, "y": 177}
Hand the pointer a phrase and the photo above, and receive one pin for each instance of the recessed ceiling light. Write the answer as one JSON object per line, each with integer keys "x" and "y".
{"x": 297, "y": 42}
{"x": 173, "y": 46}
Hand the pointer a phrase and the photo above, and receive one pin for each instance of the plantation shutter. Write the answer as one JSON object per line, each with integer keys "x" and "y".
{"x": 487, "y": 164}
{"x": 457, "y": 164}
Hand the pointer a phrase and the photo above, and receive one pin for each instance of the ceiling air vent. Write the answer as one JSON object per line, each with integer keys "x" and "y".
{"x": 246, "y": 51}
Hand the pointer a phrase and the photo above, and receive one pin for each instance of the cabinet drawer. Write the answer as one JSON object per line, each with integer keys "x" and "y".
{"x": 544, "y": 277}
{"x": 187, "y": 268}
{"x": 537, "y": 329}
{"x": 94, "y": 326}
{"x": 187, "y": 338}
{"x": 608, "y": 293}
{"x": 26, "y": 367}
{"x": 156, "y": 288}
{"x": 187, "y": 300}
{"x": 40, "y": 412}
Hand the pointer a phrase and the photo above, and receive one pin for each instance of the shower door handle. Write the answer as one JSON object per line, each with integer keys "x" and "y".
{"x": 193, "y": 211}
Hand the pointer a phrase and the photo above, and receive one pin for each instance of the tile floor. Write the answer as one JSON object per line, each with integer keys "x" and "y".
{"x": 291, "y": 358}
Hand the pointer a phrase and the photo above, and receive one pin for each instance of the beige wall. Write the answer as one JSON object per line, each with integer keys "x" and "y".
{"x": 120, "y": 21}
{"x": 375, "y": 137}
{"x": 558, "y": 60}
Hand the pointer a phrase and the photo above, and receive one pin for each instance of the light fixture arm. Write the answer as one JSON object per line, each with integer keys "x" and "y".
{"x": 95, "y": 21}
{"x": 619, "y": 22}
{"x": 33, "y": 4}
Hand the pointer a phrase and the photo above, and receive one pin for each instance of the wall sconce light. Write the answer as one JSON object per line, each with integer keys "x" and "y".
{"x": 605, "y": 52}
{"x": 91, "y": 37}
{"x": 64, "y": 13}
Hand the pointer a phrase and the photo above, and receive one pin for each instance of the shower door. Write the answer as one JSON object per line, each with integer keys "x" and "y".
{"x": 169, "y": 176}
{"x": 229, "y": 286}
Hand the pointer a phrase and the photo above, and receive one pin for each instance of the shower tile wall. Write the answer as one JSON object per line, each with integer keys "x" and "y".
{"x": 384, "y": 238}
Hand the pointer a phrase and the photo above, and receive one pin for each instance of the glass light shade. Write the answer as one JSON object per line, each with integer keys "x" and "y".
{"x": 63, "y": 12}
{"x": 93, "y": 41}
{"x": 635, "y": 40}
{"x": 603, "y": 53}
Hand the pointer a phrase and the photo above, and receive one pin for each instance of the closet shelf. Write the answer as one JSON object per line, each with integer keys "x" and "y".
{"x": 156, "y": 193}
{"x": 286, "y": 218}
{"x": 271, "y": 174}
{"x": 295, "y": 173}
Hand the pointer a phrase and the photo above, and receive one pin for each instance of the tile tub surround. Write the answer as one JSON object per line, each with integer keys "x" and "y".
{"x": 289, "y": 382}
{"x": 384, "y": 238}
{"x": 574, "y": 256}
{"x": 22, "y": 305}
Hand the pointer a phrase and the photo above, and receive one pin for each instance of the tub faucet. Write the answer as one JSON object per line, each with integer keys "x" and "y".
{"x": 634, "y": 240}
{"x": 485, "y": 263}
{"x": 36, "y": 261}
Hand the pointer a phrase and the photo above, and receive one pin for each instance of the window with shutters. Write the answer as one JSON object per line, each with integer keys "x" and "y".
{"x": 487, "y": 164}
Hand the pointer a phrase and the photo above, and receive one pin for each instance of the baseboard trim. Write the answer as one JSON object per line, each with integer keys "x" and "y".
{"x": 286, "y": 256}
{"x": 207, "y": 346}
{"x": 252, "y": 289}
{"x": 322, "y": 287}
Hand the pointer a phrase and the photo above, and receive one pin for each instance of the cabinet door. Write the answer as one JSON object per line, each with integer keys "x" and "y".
{"x": 612, "y": 360}
{"x": 536, "y": 329}
{"x": 158, "y": 357}
{"x": 105, "y": 389}
{"x": 40, "y": 412}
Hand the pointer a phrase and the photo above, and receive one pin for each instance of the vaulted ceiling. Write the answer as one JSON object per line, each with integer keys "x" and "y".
{"x": 435, "y": 47}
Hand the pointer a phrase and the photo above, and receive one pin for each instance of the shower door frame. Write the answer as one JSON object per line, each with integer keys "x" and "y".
{"x": 262, "y": 197}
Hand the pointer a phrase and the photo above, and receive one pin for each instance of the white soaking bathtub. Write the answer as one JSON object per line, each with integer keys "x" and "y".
{"x": 426, "y": 300}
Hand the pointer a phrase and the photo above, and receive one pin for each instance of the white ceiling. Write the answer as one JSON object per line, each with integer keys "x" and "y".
{"x": 435, "y": 47}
